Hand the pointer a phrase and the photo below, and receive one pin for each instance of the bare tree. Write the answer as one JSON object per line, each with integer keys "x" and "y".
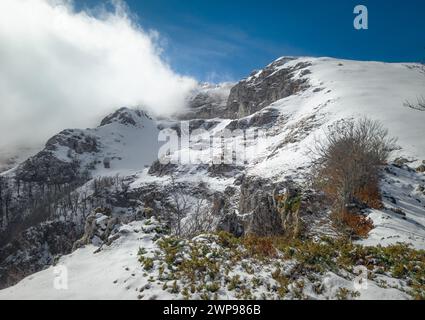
{"x": 349, "y": 158}
{"x": 200, "y": 220}
{"x": 188, "y": 216}
{"x": 179, "y": 206}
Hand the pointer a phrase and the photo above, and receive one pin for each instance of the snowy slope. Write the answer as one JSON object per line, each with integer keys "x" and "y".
{"x": 115, "y": 273}
{"x": 403, "y": 219}
{"x": 338, "y": 89}
{"x": 128, "y": 138}
{"x": 110, "y": 274}
{"x": 349, "y": 89}
{"x": 130, "y": 146}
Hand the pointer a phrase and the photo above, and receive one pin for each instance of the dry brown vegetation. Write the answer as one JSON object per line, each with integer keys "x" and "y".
{"x": 358, "y": 224}
{"x": 348, "y": 168}
{"x": 258, "y": 246}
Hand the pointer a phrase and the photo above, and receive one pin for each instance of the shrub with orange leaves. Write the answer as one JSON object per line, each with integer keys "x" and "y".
{"x": 370, "y": 195}
{"x": 348, "y": 167}
{"x": 359, "y": 224}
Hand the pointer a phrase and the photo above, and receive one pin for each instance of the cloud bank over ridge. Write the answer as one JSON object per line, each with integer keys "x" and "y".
{"x": 62, "y": 68}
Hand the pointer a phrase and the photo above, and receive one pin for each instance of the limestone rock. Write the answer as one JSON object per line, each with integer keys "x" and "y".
{"x": 258, "y": 91}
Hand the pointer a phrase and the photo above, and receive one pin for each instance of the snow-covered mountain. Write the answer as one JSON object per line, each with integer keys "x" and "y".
{"x": 96, "y": 196}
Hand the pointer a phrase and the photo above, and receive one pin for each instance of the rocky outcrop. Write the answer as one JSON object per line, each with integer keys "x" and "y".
{"x": 224, "y": 170}
{"x": 261, "y": 89}
{"x": 197, "y": 124}
{"x": 100, "y": 228}
{"x": 263, "y": 119}
{"x": 231, "y": 223}
{"x": 159, "y": 169}
{"x": 278, "y": 209}
{"x": 256, "y": 200}
{"x": 207, "y": 102}
{"x": 421, "y": 168}
{"x": 277, "y": 81}
{"x": 400, "y": 162}
{"x": 288, "y": 202}
{"x": 125, "y": 116}
{"x": 75, "y": 140}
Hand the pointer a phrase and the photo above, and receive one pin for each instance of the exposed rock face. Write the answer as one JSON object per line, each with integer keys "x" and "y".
{"x": 258, "y": 91}
{"x": 207, "y": 102}
{"x": 75, "y": 140}
{"x": 263, "y": 119}
{"x": 125, "y": 116}
{"x": 225, "y": 170}
{"x": 250, "y": 95}
{"x": 256, "y": 199}
{"x": 278, "y": 209}
{"x": 231, "y": 223}
{"x": 265, "y": 218}
{"x": 159, "y": 169}
{"x": 100, "y": 228}
{"x": 288, "y": 203}
{"x": 197, "y": 124}
{"x": 201, "y": 124}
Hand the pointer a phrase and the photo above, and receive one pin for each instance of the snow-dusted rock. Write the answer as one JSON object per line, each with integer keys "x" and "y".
{"x": 292, "y": 101}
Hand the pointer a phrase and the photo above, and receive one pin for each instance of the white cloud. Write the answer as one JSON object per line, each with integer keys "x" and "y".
{"x": 60, "y": 68}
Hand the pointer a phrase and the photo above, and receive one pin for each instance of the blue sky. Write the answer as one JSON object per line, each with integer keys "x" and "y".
{"x": 219, "y": 40}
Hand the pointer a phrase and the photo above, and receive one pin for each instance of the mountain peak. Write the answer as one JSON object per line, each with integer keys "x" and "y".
{"x": 126, "y": 116}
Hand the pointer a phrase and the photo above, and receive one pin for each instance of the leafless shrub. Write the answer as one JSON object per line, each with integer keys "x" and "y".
{"x": 179, "y": 207}
{"x": 420, "y": 104}
{"x": 349, "y": 158}
{"x": 200, "y": 220}
{"x": 188, "y": 216}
